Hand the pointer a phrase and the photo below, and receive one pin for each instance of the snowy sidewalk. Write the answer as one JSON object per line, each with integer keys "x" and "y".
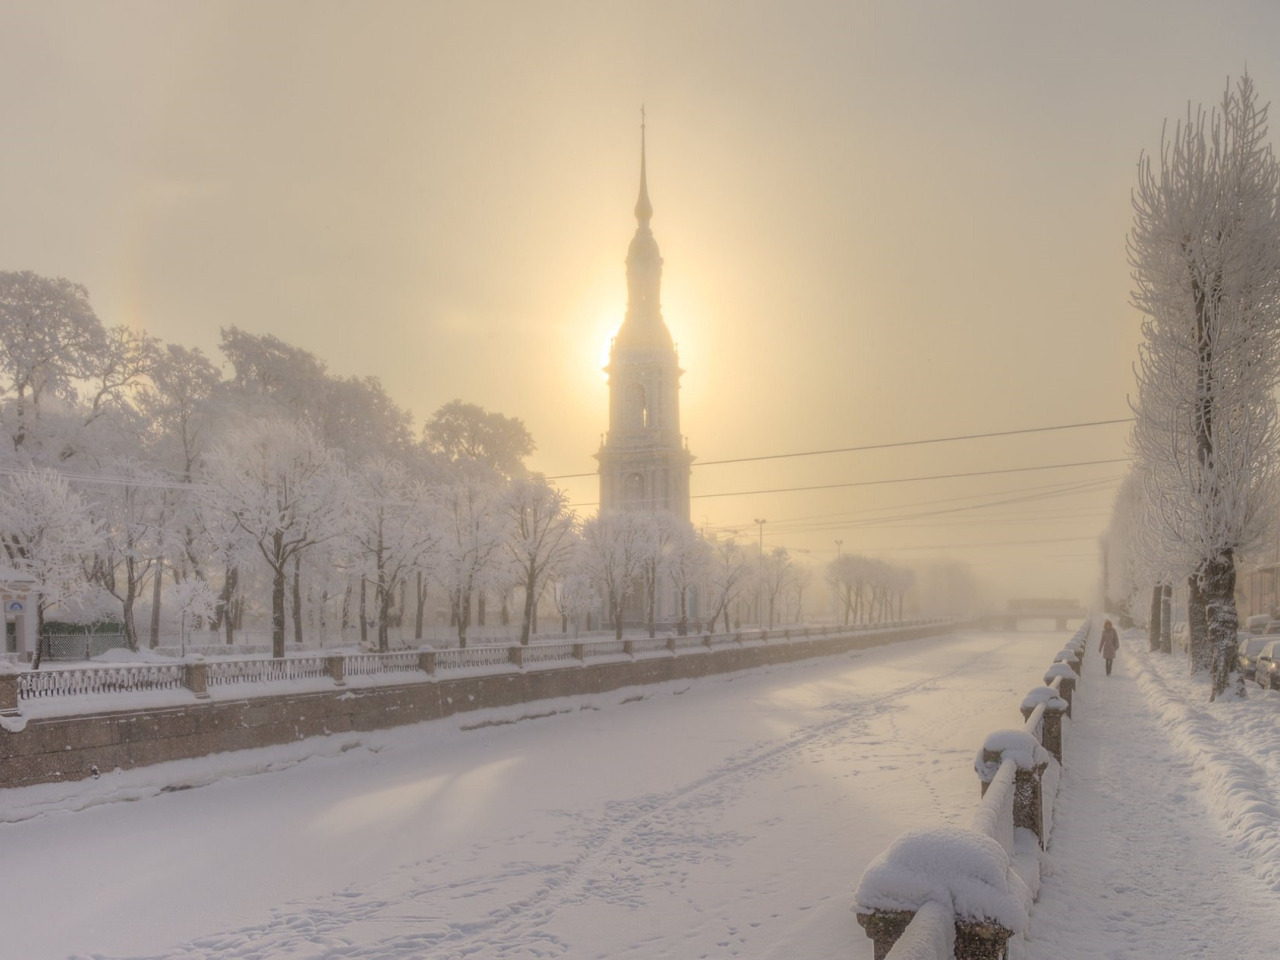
{"x": 1165, "y": 840}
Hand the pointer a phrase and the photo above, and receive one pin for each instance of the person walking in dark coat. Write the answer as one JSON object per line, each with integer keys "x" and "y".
{"x": 1109, "y": 644}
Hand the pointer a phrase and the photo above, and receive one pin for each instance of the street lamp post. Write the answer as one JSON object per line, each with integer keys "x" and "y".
{"x": 760, "y": 576}
{"x": 839, "y": 544}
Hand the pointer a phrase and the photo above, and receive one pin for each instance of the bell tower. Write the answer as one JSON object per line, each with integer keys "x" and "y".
{"x": 644, "y": 462}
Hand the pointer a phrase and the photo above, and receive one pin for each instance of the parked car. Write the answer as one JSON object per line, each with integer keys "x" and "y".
{"x": 1247, "y": 651}
{"x": 1272, "y": 629}
{"x": 1266, "y": 667}
{"x": 1257, "y": 623}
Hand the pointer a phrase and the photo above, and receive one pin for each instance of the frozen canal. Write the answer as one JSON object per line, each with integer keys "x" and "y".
{"x": 729, "y": 816}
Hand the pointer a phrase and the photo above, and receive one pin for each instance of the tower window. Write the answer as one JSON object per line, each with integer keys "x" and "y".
{"x": 633, "y": 489}
{"x": 638, "y": 406}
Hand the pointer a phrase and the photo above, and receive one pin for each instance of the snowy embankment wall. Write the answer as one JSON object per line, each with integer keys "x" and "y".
{"x": 67, "y": 725}
{"x": 946, "y": 892}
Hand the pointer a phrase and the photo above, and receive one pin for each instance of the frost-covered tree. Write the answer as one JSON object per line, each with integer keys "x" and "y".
{"x": 615, "y": 544}
{"x": 1205, "y": 253}
{"x": 688, "y": 563}
{"x": 131, "y": 516}
{"x": 285, "y": 492}
{"x": 49, "y": 339}
{"x": 473, "y": 529}
{"x": 393, "y": 531}
{"x": 543, "y": 534}
{"x": 465, "y": 432}
{"x": 775, "y": 571}
{"x": 45, "y": 529}
{"x": 728, "y": 574}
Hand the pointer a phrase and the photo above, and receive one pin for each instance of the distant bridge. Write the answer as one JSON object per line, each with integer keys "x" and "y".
{"x": 1057, "y": 609}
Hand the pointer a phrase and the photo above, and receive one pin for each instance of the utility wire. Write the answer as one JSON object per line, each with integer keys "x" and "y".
{"x": 882, "y": 446}
{"x": 872, "y": 483}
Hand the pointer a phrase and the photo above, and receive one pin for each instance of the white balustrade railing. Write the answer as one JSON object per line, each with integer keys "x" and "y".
{"x": 366, "y": 664}
{"x": 79, "y": 682}
{"x": 223, "y": 672}
{"x": 266, "y": 670}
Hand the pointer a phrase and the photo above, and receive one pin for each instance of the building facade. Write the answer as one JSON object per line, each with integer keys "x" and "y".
{"x": 644, "y": 460}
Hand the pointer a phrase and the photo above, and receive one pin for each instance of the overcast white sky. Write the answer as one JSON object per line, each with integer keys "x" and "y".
{"x": 881, "y": 222}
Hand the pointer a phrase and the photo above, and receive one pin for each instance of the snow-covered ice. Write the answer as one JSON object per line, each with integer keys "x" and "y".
{"x": 731, "y": 815}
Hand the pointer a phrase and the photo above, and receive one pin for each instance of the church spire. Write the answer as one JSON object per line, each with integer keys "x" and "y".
{"x": 644, "y": 209}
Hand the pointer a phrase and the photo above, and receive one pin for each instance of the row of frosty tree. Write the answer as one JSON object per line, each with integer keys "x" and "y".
{"x": 127, "y": 464}
{"x": 1205, "y": 253}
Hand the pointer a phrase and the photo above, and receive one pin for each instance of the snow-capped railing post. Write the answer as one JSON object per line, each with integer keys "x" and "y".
{"x": 706, "y": 640}
{"x": 427, "y": 661}
{"x": 1052, "y": 708}
{"x": 1067, "y": 684}
{"x": 516, "y": 655}
{"x": 8, "y": 689}
{"x": 195, "y": 676}
{"x": 580, "y": 652}
{"x": 929, "y": 877}
{"x": 1031, "y": 759}
{"x": 337, "y": 666}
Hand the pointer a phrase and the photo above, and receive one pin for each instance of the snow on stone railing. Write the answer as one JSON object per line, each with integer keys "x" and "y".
{"x": 197, "y": 674}
{"x": 117, "y": 678}
{"x": 949, "y": 892}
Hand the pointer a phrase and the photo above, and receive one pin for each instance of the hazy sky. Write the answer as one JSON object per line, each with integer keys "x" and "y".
{"x": 881, "y": 222}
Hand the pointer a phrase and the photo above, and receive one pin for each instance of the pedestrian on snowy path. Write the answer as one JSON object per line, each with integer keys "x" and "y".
{"x": 1109, "y": 644}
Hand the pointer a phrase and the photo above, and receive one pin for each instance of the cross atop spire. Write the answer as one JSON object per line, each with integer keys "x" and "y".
{"x": 644, "y": 209}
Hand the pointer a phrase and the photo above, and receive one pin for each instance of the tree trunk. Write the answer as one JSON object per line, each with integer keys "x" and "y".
{"x": 297, "y": 599}
{"x": 1199, "y": 650}
{"x": 384, "y": 594}
{"x": 1218, "y": 588}
{"x": 464, "y": 614}
{"x": 421, "y": 597}
{"x": 155, "y": 603}
{"x": 1153, "y": 625}
{"x": 526, "y": 625}
{"x": 1166, "y": 618}
{"x": 364, "y": 612}
{"x": 130, "y": 595}
{"x": 278, "y": 578}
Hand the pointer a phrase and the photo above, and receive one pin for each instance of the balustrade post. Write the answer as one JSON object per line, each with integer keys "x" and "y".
{"x": 337, "y": 666}
{"x": 981, "y": 940}
{"x": 1028, "y": 792}
{"x": 8, "y": 690}
{"x": 671, "y": 644}
{"x": 706, "y": 640}
{"x": 884, "y": 928}
{"x": 1066, "y": 678}
{"x": 629, "y": 648}
{"x": 195, "y": 677}
{"x": 427, "y": 662}
{"x": 516, "y": 656}
{"x": 580, "y": 651}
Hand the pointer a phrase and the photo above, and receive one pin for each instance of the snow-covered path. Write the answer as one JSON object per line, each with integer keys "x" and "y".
{"x": 1145, "y": 860}
{"x": 730, "y": 816}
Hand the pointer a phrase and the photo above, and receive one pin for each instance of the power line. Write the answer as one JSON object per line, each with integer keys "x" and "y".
{"x": 872, "y": 483}
{"x": 883, "y": 446}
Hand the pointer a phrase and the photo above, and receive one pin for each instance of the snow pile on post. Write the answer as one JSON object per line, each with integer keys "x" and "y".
{"x": 964, "y": 869}
{"x": 1046, "y": 695}
{"x": 1016, "y": 745}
